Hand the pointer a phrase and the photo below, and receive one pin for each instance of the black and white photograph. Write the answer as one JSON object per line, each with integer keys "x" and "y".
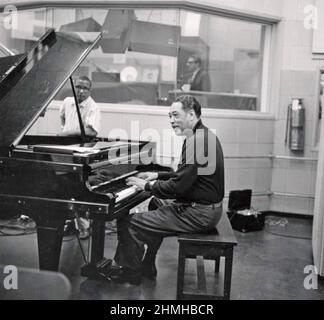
{"x": 168, "y": 152}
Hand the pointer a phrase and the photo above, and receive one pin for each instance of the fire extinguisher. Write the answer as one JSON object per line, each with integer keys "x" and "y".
{"x": 295, "y": 128}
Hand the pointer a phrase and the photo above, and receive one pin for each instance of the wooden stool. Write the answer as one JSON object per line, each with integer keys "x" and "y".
{"x": 210, "y": 246}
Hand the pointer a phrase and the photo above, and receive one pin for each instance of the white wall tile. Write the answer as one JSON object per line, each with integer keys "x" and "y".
{"x": 231, "y": 179}
{"x": 301, "y": 58}
{"x": 304, "y": 83}
{"x": 227, "y": 130}
{"x": 246, "y": 179}
{"x": 277, "y": 204}
{"x": 287, "y": 77}
{"x": 280, "y": 164}
{"x": 262, "y": 179}
{"x": 298, "y": 181}
{"x": 247, "y": 131}
{"x": 240, "y": 163}
{"x": 280, "y": 149}
{"x": 300, "y": 164}
{"x": 309, "y": 125}
{"x": 263, "y": 163}
{"x": 296, "y": 205}
{"x": 263, "y": 149}
{"x": 279, "y": 180}
{"x": 280, "y": 131}
{"x": 286, "y": 63}
{"x": 230, "y": 149}
{"x": 312, "y": 184}
{"x": 265, "y": 131}
{"x": 246, "y": 149}
{"x": 290, "y": 9}
{"x": 300, "y": 8}
{"x": 285, "y": 101}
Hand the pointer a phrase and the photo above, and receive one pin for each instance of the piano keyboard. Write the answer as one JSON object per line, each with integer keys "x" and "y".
{"x": 115, "y": 184}
{"x": 125, "y": 193}
{"x": 118, "y": 187}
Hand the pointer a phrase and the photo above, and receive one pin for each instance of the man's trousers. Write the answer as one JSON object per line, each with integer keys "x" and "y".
{"x": 146, "y": 230}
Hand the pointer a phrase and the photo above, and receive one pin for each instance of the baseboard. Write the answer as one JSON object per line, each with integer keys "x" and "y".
{"x": 287, "y": 215}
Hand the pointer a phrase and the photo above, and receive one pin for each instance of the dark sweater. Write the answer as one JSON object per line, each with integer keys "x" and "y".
{"x": 200, "y": 174}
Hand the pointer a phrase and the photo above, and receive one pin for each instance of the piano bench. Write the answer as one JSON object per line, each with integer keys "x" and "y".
{"x": 207, "y": 246}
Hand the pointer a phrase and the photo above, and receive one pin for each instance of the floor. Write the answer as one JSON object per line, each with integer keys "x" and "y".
{"x": 268, "y": 265}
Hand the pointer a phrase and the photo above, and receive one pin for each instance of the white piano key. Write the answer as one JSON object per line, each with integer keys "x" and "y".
{"x": 125, "y": 193}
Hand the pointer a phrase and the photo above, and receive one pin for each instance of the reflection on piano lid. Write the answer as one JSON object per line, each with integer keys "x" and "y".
{"x": 86, "y": 148}
{"x": 120, "y": 178}
{"x": 35, "y": 78}
{"x": 70, "y": 149}
{"x": 101, "y": 145}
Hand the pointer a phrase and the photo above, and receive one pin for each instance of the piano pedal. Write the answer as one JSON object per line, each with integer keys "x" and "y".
{"x": 100, "y": 270}
{"x": 104, "y": 276}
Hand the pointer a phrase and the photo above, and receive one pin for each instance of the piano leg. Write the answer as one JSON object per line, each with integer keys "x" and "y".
{"x": 50, "y": 228}
{"x": 98, "y": 240}
{"x": 98, "y": 266}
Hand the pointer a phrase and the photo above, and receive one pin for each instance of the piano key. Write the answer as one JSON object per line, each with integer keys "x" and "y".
{"x": 126, "y": 193}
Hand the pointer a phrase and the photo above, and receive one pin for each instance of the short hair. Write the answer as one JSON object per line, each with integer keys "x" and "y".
{"x": 85, "y": 78}
{"x": 196, "y": 58}
{"x": 190, "y": 103}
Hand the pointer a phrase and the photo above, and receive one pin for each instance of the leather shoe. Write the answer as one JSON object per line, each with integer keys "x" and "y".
{"x": 129, "y": 275}
{"x": 149, "y": 271}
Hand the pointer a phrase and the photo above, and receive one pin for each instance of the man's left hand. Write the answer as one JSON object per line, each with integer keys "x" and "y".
{"x": 139, "y": 183}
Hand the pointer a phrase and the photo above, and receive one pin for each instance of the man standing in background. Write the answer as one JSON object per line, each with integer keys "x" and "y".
{"x": 199, "y": 80}
{"x": 90, "y": 114}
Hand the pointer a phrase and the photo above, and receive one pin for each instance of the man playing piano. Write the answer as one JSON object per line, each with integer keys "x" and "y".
{"x": 90, "y": 114}
{"x": 196, "y": 190}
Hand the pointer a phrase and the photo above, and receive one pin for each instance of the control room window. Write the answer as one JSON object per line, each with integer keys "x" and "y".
{"x": 149, "y": 56}
{"x": 20, "y": 34}
{"x": 231, "y": 53}
{"x": 136, "y": 61}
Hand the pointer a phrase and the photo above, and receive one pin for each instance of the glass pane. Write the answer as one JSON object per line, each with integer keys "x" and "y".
{"x": 136, "y": 60}
{"x": 20, "y": 33}
{"x": 220, "y": 61}
{"x": 150, "y": 56}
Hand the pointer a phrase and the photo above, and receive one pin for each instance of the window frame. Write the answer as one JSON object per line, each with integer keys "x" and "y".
{"x": 265, "y": 20}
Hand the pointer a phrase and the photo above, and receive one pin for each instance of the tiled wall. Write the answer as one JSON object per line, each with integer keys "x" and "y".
{"x": 293, "y": 181}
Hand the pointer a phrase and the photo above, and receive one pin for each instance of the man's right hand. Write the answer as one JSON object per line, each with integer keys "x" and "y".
{"x": 148, "y": 176}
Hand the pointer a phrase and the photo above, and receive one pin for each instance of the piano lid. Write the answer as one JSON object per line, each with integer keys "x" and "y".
{"x": 34, "y": 79}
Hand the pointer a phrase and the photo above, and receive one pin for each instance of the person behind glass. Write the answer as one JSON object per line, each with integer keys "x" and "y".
{"x": 90, "y": 114}
{"x": 199, "y": 80}
{"x": 186, "y": 201}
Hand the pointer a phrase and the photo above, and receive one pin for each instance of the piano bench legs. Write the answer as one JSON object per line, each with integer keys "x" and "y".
{"x": 201, "y": 252}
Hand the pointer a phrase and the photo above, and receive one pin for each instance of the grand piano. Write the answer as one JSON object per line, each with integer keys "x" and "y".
{"x": 55, "y": 178}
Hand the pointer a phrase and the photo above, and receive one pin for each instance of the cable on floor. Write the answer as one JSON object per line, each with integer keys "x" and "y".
{"x": 283, "y": 222}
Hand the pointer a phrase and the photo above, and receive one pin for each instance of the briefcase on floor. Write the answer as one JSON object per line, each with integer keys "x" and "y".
{"x": 242, "y": 217}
